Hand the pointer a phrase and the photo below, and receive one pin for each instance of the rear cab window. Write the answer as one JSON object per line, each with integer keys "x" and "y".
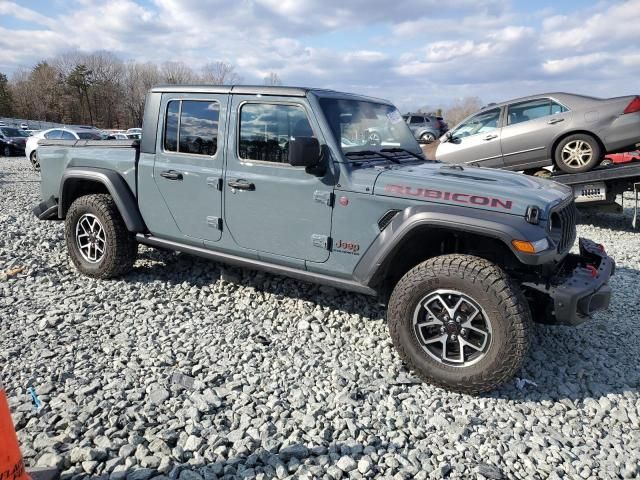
{"x": 191, "y": 127}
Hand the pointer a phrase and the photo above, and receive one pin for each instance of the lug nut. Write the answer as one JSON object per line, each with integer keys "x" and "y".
{"x": 463, "y": 332}
{"x": 454, "y": 337}
{"x": 442, "y": 329}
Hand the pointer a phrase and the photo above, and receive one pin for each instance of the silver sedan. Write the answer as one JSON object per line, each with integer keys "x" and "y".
{"x": 572, "y": 132}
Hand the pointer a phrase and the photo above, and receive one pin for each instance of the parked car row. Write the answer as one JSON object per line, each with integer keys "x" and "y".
{"x": 570, "y": 132}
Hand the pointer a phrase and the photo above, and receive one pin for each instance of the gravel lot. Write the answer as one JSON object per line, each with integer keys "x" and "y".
{"x": 291, "y": 380}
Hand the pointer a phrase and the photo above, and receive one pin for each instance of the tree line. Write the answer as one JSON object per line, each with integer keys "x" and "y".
{"x": 99, "y": 88}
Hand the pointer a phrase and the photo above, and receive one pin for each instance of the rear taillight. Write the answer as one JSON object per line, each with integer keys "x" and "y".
{"x": 634, "y": 106}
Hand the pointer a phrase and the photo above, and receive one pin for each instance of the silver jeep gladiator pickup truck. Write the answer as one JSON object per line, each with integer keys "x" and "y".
{"x": 287, "y": 180}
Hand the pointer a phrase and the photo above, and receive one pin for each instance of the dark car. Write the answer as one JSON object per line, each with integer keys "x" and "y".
{"x": 12, "y": 141}
{"x": 571, "y": 132}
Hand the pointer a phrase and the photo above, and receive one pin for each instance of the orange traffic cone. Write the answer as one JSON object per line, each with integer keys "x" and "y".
{"x": 11, "y": 464}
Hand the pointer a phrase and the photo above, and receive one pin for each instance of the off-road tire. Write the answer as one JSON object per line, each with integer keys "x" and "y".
{"x": 494, "y": 291}
{"x": 121, "y": 247}
{"x": 596, "y": 156}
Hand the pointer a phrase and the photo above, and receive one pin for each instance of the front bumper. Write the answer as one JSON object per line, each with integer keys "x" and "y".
{"x": 579, "y": 288}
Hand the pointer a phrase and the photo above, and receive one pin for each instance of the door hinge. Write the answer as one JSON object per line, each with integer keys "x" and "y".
{"x": 215, "y": 182}
{"x": 323, "y": 196}
{"x": 215, "y": 222}
{"x": 321, "y": 241}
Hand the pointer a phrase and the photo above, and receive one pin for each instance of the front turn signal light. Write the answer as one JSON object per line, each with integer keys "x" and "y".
{"x": 530, "y": 247}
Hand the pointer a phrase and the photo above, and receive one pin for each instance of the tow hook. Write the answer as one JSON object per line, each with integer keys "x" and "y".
{"x": 593, "y": 270}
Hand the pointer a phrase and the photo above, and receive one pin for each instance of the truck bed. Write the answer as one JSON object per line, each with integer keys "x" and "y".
{"x": 118, "y": 155}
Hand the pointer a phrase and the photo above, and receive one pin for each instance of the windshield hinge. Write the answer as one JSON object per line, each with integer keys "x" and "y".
{"x": 322, "y": 196}
{"x": 321, "y": 241}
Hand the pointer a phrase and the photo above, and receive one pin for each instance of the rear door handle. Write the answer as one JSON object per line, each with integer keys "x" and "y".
{"x": 240, "y": 184}
{"x": 171, "y": 175}
{"x": 490, "y": 136}
{"x": 555, "y": 120}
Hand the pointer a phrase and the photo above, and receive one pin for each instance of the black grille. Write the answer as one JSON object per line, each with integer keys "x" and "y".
{"x": 562, "y": 225}
{"x": 386, "y": 219}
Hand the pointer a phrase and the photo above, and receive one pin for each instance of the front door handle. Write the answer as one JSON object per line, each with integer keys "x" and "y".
{"x": 490, "y": 136}
{"x": 171, "y": 175}
{"x": 555, "y": 120}
{"x": 240, "y": 184}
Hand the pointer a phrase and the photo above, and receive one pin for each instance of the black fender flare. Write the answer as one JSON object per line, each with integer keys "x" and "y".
{"x": 115, "y": 185}
{"x": 500, "y": 226}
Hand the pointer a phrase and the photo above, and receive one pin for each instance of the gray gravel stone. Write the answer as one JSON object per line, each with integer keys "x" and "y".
{"x": 283, "y": 379}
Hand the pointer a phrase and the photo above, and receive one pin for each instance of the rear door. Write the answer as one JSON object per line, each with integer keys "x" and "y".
{"x": 188, "y": 166}
{"x": 270, "y": 206}
{"x": 476, "y": 140}
{"x": 529, "y": 130}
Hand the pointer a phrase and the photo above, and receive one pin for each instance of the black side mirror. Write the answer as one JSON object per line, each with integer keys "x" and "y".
{"x": 304, "y": 152}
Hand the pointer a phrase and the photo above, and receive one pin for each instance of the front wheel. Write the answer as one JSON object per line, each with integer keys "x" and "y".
{"x": 460, "y": 323}
{"x": 97, "y": 238}
{"x": 35, "y": 163}
{"x": 427, "y": 137}
{"x": 6, "y": 151}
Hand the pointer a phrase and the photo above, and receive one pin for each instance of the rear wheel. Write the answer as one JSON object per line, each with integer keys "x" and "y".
{"x": 460, "y": 323}
{"x": 578, "y": 153}
{"x": 98, "y": 241}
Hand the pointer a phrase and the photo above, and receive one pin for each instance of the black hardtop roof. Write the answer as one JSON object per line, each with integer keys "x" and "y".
{"x": 261, "y": 90}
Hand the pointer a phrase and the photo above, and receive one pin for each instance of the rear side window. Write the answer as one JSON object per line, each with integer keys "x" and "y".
{"x": 265, "y": 130}
{"x": 415, "y": 120}
{"x": 532, "y": 109}
{"x": 191, "y": 126}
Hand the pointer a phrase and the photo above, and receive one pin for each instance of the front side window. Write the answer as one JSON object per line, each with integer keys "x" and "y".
{"x": 191, "y": 126}
{"x": 416, "y": 120}
{"x": 265, "y": 131}
{"x": 53, "y": 135}
{"x": 88, "y": 136}
{"x": 480, "y": 123}
{"x": 67, "y": 135}
{"x": 530, "y": 110}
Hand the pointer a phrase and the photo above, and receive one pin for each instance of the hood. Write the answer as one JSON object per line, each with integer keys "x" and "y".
{"x": 17, "y": 140}
{"x": 482, "y": 188}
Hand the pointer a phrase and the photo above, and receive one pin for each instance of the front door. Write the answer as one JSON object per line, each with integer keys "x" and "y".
{"x": 271, "y": 206}
{"x": 529, "y": 130}
{"x": 477, "y": 141}
{"x": 188, "y": 166}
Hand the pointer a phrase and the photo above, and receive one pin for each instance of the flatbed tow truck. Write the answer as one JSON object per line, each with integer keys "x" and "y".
{"x": 599, "y": 187}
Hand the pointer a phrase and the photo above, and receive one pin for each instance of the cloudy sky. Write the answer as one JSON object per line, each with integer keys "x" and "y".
{"x": 415, "y": 52}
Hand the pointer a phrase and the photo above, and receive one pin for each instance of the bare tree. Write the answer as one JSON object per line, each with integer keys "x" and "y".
{"x": 220, "y": 73}
{"x": 139, "y": 78}
{"x": 272, "y": 79}
{"x": 461, "y": 109}
{"x": 176, "y": 73}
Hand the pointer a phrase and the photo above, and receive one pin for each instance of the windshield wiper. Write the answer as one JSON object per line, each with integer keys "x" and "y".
{"x": 397, "y": 149}
{"x": 372, "y": 152}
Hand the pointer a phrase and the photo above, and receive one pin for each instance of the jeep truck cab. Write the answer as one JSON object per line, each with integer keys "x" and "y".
{"x": 289, "y": 181}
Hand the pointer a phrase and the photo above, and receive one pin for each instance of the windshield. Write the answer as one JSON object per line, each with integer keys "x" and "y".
{"x": 13, "y": 132}
{"x": 362, "y": 125}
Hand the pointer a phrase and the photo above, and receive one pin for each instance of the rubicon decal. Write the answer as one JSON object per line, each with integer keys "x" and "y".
{"x": 449, "y": 196}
